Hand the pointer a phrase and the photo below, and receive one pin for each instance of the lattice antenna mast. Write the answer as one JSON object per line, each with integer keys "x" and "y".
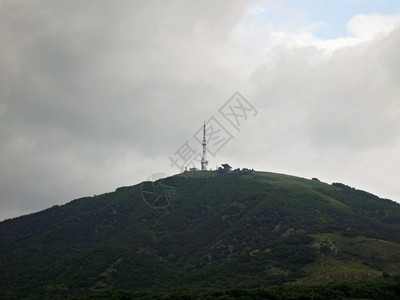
{"x": 204, "y": 161}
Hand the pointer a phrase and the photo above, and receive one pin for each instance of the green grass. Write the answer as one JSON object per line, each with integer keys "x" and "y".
{"x": 352, "y": 259}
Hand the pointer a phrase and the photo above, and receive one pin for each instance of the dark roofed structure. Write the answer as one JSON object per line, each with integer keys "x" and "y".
{"x": 227, "y": 168}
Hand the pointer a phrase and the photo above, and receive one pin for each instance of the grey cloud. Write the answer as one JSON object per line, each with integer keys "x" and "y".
{"x": 98, "y": 94}
{"x": 346, "y": 100}
{"x": 91, "y": 87}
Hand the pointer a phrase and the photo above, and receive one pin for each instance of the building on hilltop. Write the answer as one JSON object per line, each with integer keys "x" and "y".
{"x": 226, "y": 168}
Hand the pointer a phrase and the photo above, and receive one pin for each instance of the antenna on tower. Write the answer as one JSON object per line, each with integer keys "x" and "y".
{"x": 204, "y": 161}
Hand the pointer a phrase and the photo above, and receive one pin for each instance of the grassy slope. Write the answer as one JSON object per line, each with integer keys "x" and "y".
{"x": 351, "y": 259}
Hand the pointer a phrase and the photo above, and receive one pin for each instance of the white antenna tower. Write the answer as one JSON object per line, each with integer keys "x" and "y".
{"x": 204, "y": 161}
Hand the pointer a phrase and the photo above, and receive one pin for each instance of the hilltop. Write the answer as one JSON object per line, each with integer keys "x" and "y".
{"x": 202, "y": 230}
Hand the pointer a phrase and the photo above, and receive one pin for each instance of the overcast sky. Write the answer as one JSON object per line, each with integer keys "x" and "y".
{"x": 100, "y": 94}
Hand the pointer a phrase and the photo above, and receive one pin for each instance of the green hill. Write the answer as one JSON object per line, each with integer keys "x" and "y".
{"x": 203, "y": 230}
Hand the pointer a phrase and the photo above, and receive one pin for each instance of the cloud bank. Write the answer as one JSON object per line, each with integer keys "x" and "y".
{"x": 97, "y": 94}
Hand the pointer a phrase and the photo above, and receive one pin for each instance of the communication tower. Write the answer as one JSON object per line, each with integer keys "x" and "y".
{"x": 204, "y": 161}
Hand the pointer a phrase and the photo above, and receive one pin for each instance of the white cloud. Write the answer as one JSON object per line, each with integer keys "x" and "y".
{"x": 366, "y": 27}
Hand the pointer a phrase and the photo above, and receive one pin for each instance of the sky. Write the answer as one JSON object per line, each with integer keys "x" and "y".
{"x": 100, "y": 94}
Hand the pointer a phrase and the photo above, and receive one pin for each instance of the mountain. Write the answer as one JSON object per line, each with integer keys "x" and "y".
{"x": 202, "y": 230}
